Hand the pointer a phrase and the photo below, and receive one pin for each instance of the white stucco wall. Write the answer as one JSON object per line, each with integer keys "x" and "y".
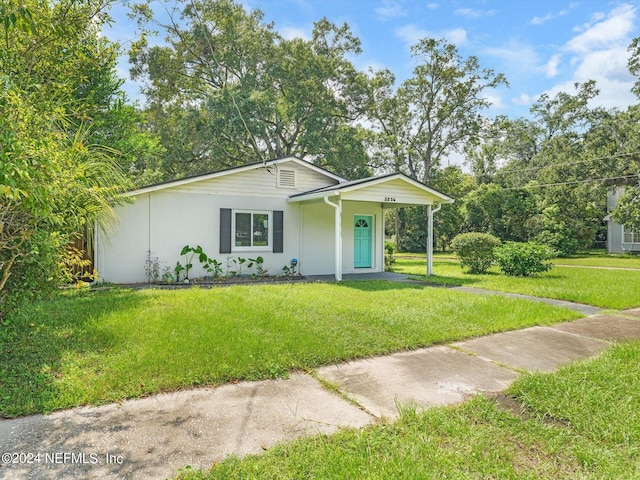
{"x": 165, "y": 221}
{"x": 120, "y": 254}
{"x": 317, "y": 253}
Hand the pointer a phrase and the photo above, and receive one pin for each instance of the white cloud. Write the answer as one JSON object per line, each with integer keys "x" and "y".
{"x": 472, "y": 13}
{"x": 550, "y": 16}
{"x": 599, "y": 52}
{"x": 523, "y": 100}
{"x": 289, "y": 33}
{"x": 391, "y": 9}
{"x": 547, "y": 17}
{"x": 518, "y": 58}
{"x": 613, "y": 30}
{"x": 433, "y": 6}
{"x": 468, "y": 12}
{"x": 496, "y": 101}
{"x": 411, "y": 35}
{"x": 551, "y": 68}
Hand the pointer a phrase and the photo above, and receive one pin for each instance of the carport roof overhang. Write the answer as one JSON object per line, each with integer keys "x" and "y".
{"x": 391, "y": 191}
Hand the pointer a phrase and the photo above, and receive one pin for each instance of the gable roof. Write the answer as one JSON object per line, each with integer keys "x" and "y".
{"x": 229, "y": 171}
{"x": 367, "y": 182}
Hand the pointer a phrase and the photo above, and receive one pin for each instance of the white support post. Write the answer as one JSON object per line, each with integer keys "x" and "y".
{"x": 338, "y": 236}
{"x": 430, "y": 212}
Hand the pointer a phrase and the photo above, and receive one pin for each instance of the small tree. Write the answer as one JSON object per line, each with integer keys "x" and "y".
{"x": 523, "y": 259}
{"x": 475, "y": 250}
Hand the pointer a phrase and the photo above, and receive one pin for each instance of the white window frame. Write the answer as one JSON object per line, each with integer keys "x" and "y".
{"x": 261, "y": 248}
{"x": 634, "y": 236}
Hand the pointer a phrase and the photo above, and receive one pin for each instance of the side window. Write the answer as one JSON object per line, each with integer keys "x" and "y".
{"x": 251, "y": 229}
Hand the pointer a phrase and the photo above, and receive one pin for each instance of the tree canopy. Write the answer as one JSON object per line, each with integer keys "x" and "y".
{"x": 226, "y": 89}
{"x": 61, "y": 124}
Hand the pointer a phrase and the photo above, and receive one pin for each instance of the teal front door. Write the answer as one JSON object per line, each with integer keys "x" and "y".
{"x": 362, "y": 241}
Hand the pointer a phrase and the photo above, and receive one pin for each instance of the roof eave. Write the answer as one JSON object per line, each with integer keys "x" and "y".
{"x": 230, "y": 171}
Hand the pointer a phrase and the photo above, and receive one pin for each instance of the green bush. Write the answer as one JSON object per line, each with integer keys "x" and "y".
{"x": 389, "y": 250}
{"x": 523, "y": 259}
{"x": 562, "y": 242}
{"x": 475, "y": 250}
{"x": 389, "y": 247}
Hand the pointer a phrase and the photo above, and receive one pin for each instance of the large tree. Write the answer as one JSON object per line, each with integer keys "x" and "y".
{"x": 433, "y": 113}
{"x": 56, "y": 88}
{"x": 625, "y": 134}
{"x": 225, "y": 89}
{"x": 565, "y": 156}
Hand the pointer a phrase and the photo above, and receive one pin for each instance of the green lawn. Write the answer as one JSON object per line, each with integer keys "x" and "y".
{"x": 104, "y": 346}
{"x": 615, "y": 289}
{"x": 612, "y": 261}
{"x": 582, "y": 421}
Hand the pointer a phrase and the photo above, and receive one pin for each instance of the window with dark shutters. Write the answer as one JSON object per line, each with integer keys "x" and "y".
{"x": 250, "y": 230}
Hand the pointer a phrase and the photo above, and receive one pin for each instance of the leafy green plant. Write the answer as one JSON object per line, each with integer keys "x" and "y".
{"x": 389, "y": 250}
{"x": 239, "y": 263}
{"x": 177, "y": 270}
{"x": 210, "y": 265}
{"x": 213, "y": 267}
{"x": 389, "y": 247}
{"x": 475, "y": 250}
{"x": 260, "y": 270}
{"x": 523, "y": 259}
{"x": 167, "y": 276}
{"x": 152, "y": 267}
{"x": 189, "y": 253}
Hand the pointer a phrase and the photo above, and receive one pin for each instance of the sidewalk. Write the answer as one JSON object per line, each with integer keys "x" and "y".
{"x": 152, "y": 438}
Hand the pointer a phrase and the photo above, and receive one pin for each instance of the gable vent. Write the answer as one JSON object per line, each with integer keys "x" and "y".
{"x": 286, "y": 178}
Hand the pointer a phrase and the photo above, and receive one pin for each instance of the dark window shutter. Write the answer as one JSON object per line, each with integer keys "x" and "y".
{"x": 278, "y": 231}
{"x": 225, "y": 230}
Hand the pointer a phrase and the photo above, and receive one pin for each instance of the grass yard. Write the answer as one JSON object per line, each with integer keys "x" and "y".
{"x": 609, "y": 261}
{"x": 582, "y": 421}
{"x": 614, "y": 289}
{"x": 104, "y": 346}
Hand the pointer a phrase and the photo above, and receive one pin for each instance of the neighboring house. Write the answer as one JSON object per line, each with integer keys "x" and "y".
{"x": 279, "y": 209}
{"x": 619, "y": 238}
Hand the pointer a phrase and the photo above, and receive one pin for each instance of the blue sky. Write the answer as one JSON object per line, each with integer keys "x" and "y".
{"x": 540, "y": 45}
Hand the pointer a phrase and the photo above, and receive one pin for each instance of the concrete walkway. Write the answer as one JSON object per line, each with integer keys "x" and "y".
{"x": 154, "y": 437}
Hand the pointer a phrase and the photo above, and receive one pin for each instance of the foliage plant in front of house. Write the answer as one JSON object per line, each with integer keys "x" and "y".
{"x": 523, "y": 259}
{"x": 475, "y": 250}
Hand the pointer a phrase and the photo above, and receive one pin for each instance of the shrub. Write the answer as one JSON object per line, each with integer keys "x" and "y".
{"x": 523, "y": 259}
{"x": 475, "y": 250}
{"x": 562, "y": 242}
{"x": 389, "y": 247}
{"x": 389, "y": 250}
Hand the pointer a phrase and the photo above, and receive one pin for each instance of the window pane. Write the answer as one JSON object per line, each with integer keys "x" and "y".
{"x": 628, "y": 236}
{"x": 260, "y": 229}
{"x": 243, "y": 229}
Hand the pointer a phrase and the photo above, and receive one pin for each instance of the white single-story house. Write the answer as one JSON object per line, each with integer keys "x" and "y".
{"x": 280, "y": 209}
{"x": 620, "y": 239}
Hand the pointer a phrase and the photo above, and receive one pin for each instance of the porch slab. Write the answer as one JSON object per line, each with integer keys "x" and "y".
{"x": 426, "y": 377}
{"x": 154, "y": 437}
{"x": 604, "y": 327}
{"x": 535, "y": 348}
